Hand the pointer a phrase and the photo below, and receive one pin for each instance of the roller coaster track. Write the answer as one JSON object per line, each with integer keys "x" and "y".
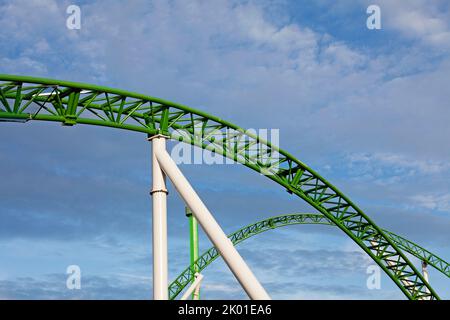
{"x": 187, "y": 276}
{"x": 23, "y": 99}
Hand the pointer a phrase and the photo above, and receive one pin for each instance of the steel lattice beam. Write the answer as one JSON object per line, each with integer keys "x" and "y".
{"x": 26, "y": 98}
{"x": 186, "y": 277}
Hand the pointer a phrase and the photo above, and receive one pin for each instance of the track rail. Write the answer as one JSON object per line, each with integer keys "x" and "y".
{"x": 26, "y": 98}
{"x": 208, "y": 257}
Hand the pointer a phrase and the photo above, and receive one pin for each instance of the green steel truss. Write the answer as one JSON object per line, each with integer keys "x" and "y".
{"x": 187, "y": 276}
{"x": 26, "y": 98}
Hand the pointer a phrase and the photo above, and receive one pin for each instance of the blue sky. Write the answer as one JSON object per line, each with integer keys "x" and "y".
{"x": 368, "y": 109}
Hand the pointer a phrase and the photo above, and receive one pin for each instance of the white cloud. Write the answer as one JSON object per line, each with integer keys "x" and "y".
{"x": 440, "y": 202}
{"x": 343, "y": 56}
{"x": 230, "y": 50}
{"x": 411, "y": 166}
{"x": 221, "y": 287}
{"x": 424, "y": 20}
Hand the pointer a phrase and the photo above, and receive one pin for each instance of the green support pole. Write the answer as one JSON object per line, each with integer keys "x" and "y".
{"x": 193, "y": 237}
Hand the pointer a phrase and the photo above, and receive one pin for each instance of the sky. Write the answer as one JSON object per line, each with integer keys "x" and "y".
{"x": 367, "y": 109}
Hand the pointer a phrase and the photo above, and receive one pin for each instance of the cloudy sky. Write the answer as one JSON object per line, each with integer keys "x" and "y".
{"x": 368, "y": 109}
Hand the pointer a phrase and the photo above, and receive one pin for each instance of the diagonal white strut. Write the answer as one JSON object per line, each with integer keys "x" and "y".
{"x": 194, "y": 286}
{"x": 212, "y": 229}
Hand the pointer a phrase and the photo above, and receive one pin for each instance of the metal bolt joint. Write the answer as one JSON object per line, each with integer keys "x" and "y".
{"x": 159, "y": 190}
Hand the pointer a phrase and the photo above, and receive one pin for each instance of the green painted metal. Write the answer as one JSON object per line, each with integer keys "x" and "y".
{"x": 193, "y": 244}
{"x": 178, "y": 285}
{"x": 421, "y": 253}
{"x": 26, "y": 98}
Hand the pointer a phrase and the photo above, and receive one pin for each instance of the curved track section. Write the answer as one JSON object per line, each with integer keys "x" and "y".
{"x": 25, "y": 98}
{"x": 187, "y": 276}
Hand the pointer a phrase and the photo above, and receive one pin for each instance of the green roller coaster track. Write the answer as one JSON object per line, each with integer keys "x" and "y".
{"x": 187, "y": 276}
{"x": 26, "y": 98}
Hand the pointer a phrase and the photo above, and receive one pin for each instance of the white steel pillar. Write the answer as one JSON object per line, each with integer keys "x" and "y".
{"x": 425, "y": 273}
{"x": 194, "y": 286}
{"x": 214, "y": 232}
{"x": 159, "y": 196}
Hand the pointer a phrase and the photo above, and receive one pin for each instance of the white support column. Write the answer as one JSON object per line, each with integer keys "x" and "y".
{"x": 194, "y": 286}
{"x": 225, "y": 247}
{"x": 159, "y": 196}
{"x": 196, "y": 293}
{"x": 425, "y": 273}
